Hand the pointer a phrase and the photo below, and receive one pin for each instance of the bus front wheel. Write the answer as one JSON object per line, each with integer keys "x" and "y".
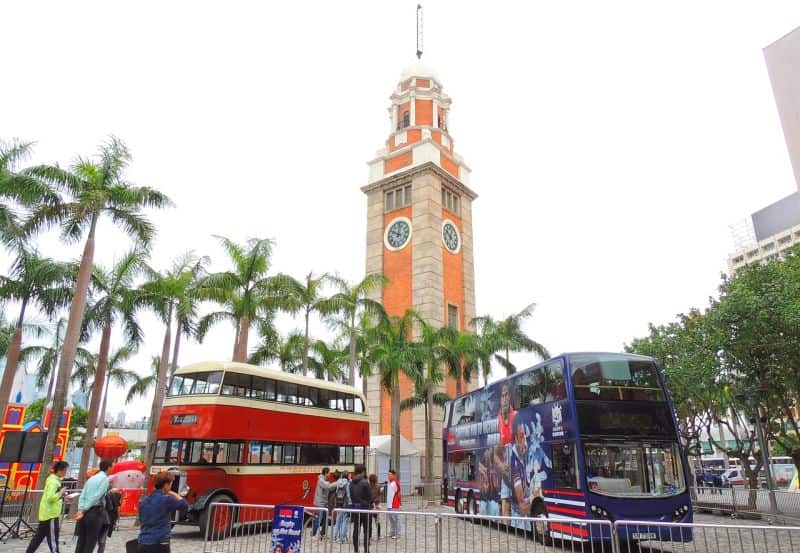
{"x": 217, "y": 521}
{"x": 458, "y": 506}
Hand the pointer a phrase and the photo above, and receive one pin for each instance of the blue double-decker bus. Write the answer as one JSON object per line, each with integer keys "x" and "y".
{"x": 580, "y": 436}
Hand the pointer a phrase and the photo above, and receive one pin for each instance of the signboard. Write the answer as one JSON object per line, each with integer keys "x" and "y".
{"x": 287, "y": 529}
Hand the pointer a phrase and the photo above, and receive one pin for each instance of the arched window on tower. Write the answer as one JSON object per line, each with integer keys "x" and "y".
{"x": 406, "y": 119}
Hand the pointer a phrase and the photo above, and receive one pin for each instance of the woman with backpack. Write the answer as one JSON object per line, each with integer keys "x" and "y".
{"x": 341, "y": 501}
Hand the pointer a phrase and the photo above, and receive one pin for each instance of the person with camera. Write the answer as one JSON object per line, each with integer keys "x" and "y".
{"x": 156, "y": 512}
{"x": 50, "y": 510}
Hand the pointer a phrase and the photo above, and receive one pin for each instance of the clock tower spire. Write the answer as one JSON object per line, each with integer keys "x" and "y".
{"x": 419, "y": 232}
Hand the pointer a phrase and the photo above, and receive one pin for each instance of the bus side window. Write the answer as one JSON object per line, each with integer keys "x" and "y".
{"x": 312, "y": 396}
{"x": 530, "y": 389}
{"x": 565, "y": 465}
{"x": 277, "y": 454}
{"x": 556, "y": 389}
{"x": 359, "y": 405}
{"x": 269, "y": 389}
{"x": 214, "y": 380}
{"x": 258, "y": 391}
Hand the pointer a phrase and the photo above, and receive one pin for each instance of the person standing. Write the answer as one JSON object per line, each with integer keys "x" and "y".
{"x": 50, "y": 510}
{"x": 156, "y": 512}
{"x": 361, "y": 496}
{"x": 341, "y": 501}
{"x": 92, "y": 515}
{"x": 375, "y": 488}
{"x": 321, "y": 500}
{"x": 393, "y": 503}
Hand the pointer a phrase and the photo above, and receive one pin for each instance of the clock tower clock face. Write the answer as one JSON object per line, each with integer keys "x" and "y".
{"x": 398, "y": 234}
{"x": 450, "y": 236}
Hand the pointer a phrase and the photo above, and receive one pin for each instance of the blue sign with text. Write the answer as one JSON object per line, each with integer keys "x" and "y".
{"x": 287, "y": 529}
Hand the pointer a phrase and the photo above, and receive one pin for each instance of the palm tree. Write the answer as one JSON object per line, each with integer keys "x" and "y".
{"x": 348, "y": 303}
{"x": 392, "y": 354}
{"x": 327, "y": 362}
{"x": 93, "y": 188}
{"x": 187, "y": 304}
{"x": 307, "y": 298}
{"x": 458, "y": 352}
{"x": 142, "y": 384}
{"x": 33, "y": 281}
{"x": 507, "y": 336}
{"x": 19, "y": 187}
{"x": 118, "y": 376}
{"x": 247, "y": 293}
{"x": 427, "y": 378}
{"x": 164, "y": 294}
{"x": 48, "y": 357}
{"x": 288, "y": 352}
{"x": 113, "y": 301}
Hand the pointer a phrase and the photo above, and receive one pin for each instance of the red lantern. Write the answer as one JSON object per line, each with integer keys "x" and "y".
{"x": 110, "y": 447}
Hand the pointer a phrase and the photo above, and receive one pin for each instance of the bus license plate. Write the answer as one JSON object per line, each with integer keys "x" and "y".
{"x": 644, "y": 535}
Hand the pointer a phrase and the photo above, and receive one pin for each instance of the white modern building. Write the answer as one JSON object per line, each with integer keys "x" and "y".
{"x": 783, "y": 65}
{"x": 767, "y": 234}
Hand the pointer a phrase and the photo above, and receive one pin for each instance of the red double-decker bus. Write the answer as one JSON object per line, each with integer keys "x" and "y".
{"x": 239, "y": 433}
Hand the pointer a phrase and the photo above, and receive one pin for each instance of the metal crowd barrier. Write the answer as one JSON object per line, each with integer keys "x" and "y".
{"x": 747, "y": 503}
{"x": 18, "y": 512}
{"x": 638, "y": 537}
{"x": 243, "y": 528}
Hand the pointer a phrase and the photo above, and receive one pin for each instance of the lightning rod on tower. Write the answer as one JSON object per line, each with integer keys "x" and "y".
{"x": 419, "y": 31}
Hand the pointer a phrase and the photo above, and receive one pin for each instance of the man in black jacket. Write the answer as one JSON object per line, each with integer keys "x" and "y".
{"x": 361, "y": 496}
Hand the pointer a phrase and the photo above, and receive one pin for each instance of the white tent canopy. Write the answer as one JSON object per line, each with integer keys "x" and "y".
{"x": 383, "y": 446}
{"x": 380, "y": 450}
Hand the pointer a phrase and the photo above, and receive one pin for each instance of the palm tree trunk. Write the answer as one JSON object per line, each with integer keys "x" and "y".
{"x": 176, "y": 348}
{"x": 429, "y": 435}
{"x": 71, "y": 339}
{"x": 458, "y": 383}
{"x": 352, "y": 361}
{"x": 97, "y": 395}
{"x": 241, "y": 345}
{"x": 50, "y": 385}
{"x": 305, "y": 349}
{"x": 160, "y": 392}
{"x": 395, "y": 442}
{"x": 12, "y": 357}
{"x": 101, "y": 420}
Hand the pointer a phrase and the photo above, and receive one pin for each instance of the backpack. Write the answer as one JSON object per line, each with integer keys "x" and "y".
{"x": 341, "y": 495}
{"x": 397, "y": 498}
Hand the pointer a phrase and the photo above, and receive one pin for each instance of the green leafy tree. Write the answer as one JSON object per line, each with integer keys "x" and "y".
{"x": 247, "y": 293}
{"x": 35, "y": 412}
{"x": 393, "y": 353}
{"x": 113, "y": 301}
{"x": 427, "y": 377}
{"x": 288, "y": 351}
{"x": 326, "y": 361}
{"x": 306, "y": 297}
{"x": 506, "y": 336}
{"x": 458, "y": 351}
{"x": 347, "y": 306}
{"x": 18, "y": 190}
{"x": 164, "y": 293}
{"x": 142, "y": 384}
{"x": 91, "y": 189}
{"x": 33, "y": 281}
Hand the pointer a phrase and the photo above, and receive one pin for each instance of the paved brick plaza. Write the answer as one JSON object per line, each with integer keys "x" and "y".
{"x": 458, "y": 536}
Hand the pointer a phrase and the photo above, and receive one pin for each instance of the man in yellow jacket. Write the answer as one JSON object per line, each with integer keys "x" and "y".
{"x": 50, "y": 509}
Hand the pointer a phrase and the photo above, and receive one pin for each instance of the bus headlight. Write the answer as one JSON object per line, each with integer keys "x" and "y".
{"x": 600, "y": 512}
{"x": 184, "y": 491}
{"x": 680, "y": 512}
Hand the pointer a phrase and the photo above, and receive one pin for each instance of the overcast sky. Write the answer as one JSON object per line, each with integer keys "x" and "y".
{"x": 611, "y": 143}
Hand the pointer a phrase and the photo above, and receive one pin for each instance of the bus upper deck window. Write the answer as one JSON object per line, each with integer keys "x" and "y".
{"x": 359, "y": 405}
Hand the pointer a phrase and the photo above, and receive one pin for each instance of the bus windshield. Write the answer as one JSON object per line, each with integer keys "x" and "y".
{"x": 632, "y": 470}
{"x": 609, "y": 377}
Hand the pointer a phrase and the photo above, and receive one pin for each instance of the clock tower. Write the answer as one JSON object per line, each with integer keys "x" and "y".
{"x": 419, "y": 232}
